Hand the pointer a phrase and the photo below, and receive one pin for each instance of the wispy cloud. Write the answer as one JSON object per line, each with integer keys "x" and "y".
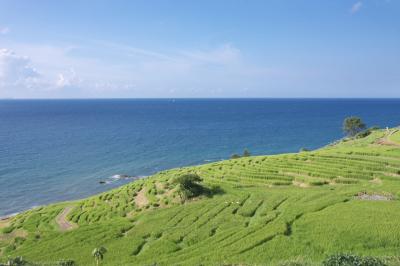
{"x": 4, "y": 30}
{"x": 356, "y": 7}
{"x": 104, "y": 69}
{"x": 223, "y": 54}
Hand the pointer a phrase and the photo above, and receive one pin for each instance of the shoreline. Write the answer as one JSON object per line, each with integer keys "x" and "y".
{"x": 110, "y": 180}
{"x": 104, "y": 182}
{"x": 125, "y": 177}
{"x": 9, "y": 216}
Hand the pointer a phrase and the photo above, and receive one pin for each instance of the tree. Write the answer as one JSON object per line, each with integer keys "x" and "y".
{"x": 353, "y": 125}
{"x": 98, "y": 254}
{"x": 246, "y": 153}
{"x": 188, "y": 186}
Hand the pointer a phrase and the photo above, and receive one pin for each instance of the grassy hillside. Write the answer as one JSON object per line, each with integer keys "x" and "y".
{"x": 262, "y": 210}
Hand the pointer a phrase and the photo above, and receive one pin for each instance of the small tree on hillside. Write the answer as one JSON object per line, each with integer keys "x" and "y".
{"x": 188, "y": 186}
{"x": 246, "y": 153}
{"x": 98, "y": 254}
{"x": 353, "y": 125}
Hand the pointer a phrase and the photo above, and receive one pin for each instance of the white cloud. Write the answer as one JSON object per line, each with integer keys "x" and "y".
{"x": 356, "y": 7}
{"x": 4, "y": 30}
{"x": 68, "y": 79}
{"x": 102, "y": 69}
{"x": 16, "y": 71}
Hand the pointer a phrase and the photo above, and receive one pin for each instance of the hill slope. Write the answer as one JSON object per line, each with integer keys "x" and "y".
{"x": 263, "y": 210}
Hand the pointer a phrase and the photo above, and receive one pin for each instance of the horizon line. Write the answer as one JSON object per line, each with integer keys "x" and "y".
{"x": 207, "y": 98}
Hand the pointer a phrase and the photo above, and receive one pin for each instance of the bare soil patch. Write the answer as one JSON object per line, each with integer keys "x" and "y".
{"x": 300, "y": 184}
{"x": 374, "y": 196}
{"x": 141, "y": 199}
{"x": 4, "y": 222}
{"x": 386, "y": 139}
{"x": 63, "y": 222}
{"x": 376, "y": 180}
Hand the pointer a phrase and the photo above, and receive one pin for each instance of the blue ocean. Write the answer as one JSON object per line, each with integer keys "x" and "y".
{"x": 55, "y": 150}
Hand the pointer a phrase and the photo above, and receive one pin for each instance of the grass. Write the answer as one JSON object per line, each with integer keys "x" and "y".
{"x": 395, "y": 137}
{"x": 270, "y": 210}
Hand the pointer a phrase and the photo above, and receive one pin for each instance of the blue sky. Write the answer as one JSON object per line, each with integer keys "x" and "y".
{"x": 142, "y": 49}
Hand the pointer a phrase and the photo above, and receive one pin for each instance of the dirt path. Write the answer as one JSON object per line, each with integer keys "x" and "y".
{"x": 386, "y": 139}
{"x": 4, "y": 222}
{"x": 141, "y": 199}
{"x": 62, "y": 220}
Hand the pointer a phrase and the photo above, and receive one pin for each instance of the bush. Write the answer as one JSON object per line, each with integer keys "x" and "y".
{"x": 18, "y": 261}
{"x": 189, "y": 186}
{"x": 364, "y": 133}
{"x": 351, "y": 260}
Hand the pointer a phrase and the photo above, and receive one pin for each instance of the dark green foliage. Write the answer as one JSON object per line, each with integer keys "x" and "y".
{"x": 365, "y": 133}
{"x": 353, "y": 125}
{"x": 189, "y": 186}
{"x": 98, "y": 254}
{"x": 246, "y": 153}
{"x": 17, "y": 261}
{"x": 352, "y": 260}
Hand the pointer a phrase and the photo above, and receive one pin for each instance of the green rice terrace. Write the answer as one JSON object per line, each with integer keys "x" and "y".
{"x": 288, "y": 209}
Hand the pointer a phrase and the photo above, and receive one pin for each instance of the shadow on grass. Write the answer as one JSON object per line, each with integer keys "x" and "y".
{"x": 212, "y": 191}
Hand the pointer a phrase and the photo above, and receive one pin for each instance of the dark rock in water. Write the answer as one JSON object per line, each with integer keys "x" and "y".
{"x": 102, "y": 182}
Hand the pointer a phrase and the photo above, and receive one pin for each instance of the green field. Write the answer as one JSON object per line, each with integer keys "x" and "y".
{"x": 395, "y": 137}
{"x": 264, "y": 210}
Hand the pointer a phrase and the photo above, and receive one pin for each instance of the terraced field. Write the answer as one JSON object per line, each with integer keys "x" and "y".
{"x": 263, "y": 210}
{"x": 395, "y": 136}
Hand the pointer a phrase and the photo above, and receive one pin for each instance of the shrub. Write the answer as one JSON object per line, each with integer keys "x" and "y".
{"x": 189, "y": 186}
{"x": 351, "y": 260}
{"x": 364, "y": 133}
{"x": 18, "y": 261}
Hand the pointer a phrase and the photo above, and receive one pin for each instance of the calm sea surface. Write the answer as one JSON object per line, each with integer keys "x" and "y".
{"x": 53, "y": 150}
